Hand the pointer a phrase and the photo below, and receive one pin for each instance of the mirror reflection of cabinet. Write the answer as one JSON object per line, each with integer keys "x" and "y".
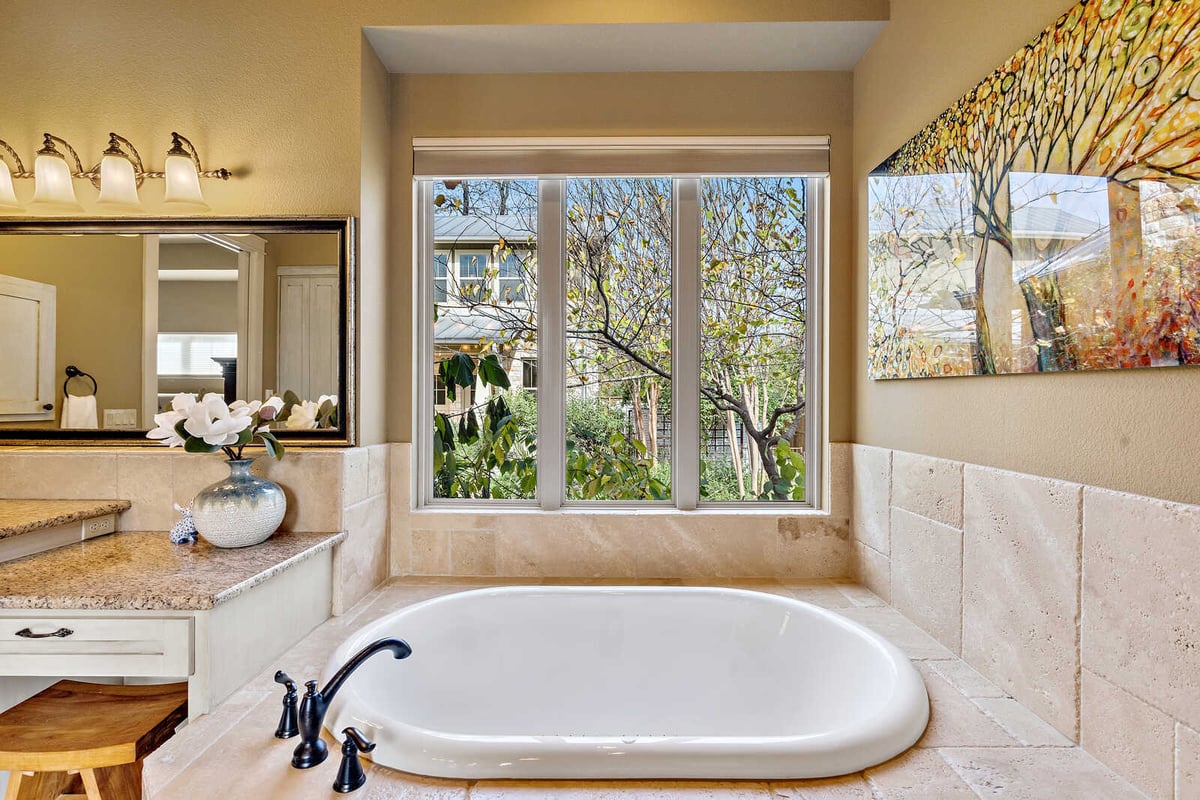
{"x": 27, "y": 328}
{"x": 307, "y": 363}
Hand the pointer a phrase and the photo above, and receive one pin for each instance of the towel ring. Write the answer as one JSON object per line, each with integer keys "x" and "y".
{"x": 75, "y": 372}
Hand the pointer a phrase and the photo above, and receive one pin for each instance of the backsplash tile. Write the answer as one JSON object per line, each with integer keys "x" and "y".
{"x": 1141, "y": 598}
{"x": 870, "y": 492}
{"x": 926, "y": 557}
{"x": 153, "y": 479}
{"x": 1079, "y": 602}
{"x": 931, "y": 487}
{"x": 1020, "y": 576}
{"x": 519, "y": 543}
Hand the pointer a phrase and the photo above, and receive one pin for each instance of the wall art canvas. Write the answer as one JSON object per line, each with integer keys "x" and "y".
{"x": 1049, "y": 220}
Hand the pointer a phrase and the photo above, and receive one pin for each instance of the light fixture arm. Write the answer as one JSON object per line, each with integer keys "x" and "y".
{"x": 19, "y": 172}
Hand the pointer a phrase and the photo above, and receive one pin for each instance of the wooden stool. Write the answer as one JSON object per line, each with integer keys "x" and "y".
{"x": 87, "y": 734}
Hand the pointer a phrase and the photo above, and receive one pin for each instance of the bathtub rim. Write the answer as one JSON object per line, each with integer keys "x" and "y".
{"x": 839, "y": 744}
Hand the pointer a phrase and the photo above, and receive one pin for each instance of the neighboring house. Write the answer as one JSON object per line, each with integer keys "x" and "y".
{"x": 480, "y": 287}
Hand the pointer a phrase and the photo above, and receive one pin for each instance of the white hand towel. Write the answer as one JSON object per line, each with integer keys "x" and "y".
{"x": 79, "y": 412}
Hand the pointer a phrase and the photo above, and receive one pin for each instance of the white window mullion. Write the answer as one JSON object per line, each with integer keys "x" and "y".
{"x": 423, "y": 435}
{"x": 685, "y": 349}
{"x": 551, "y": 345}
{"x": 814, "y": 437}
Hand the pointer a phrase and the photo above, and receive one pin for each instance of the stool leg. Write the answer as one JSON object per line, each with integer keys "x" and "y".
{"x": 122, "y": 782}
{"x": 38, "y": 786}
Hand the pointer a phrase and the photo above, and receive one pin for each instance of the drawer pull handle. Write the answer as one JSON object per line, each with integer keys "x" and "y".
{"x": 61, "y": 633}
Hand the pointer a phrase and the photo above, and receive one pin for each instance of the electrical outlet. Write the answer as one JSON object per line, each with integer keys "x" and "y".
{"x": 98, "y": 526}
{"x": 120, "y": 417}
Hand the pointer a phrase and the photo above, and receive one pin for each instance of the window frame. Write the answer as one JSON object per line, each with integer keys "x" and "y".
{"x": 685, "y": 403}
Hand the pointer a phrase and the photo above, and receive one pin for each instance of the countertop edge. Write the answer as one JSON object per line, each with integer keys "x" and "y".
{"x": 270, "y": 572}
{"x": 96, "y": 508}
{"x": 182, "y": 602}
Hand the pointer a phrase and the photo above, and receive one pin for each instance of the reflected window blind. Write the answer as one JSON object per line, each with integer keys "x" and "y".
{"x": 193, "y": 353}
{"x": 631, "y": 156}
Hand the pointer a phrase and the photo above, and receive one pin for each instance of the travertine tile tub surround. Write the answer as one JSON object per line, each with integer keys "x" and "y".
{"x": 980, "y": 743}
{"x": 1081, "y": 603}
{"x": 341, "y": 489}
{"x": 513, "y": 543}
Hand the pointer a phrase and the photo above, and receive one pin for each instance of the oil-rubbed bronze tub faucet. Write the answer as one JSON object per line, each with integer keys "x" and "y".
{"x": 312, "y": 750}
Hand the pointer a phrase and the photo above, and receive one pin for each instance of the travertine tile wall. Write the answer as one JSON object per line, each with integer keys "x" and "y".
{"x": 327, "y": 490}
{"x": 592, "y": 544}
{"x": 1081, "y": 603}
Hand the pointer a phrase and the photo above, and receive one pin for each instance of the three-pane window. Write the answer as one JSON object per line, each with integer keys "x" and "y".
{"x": 645, "y": 389}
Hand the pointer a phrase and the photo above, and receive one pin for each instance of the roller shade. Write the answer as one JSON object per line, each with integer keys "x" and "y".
{"x": 767, "y": 155}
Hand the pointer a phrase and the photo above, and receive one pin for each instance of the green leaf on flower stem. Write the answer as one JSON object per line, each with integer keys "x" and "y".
{"x": 181, "y": 431}
{"x": 245, "y": 436}
{"x": 194, "y": 445}
{"x": 273, "y": 445}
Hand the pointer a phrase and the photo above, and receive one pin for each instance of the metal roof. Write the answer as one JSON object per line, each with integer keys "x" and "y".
{"x": 471, "y": 229}
{"x": 458, "y": 327}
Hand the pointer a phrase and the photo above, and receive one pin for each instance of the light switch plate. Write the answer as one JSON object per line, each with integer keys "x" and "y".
{"x": 120, "y": 417}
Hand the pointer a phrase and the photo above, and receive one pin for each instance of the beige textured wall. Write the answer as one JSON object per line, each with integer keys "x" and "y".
{"x": 284, "y": 93}
{"x": 1120, "y": 430}
{"x": 197, "y": 307}
{"x": 638, "y": 104}
{"x": 95, "y": 276}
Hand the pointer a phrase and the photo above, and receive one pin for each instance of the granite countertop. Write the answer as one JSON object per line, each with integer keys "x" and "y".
{"x": 144, "y": 571}
{"x": 23, "y": 516}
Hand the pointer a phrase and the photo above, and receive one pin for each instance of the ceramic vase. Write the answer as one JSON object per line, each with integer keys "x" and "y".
{"x": 241, "y": 510}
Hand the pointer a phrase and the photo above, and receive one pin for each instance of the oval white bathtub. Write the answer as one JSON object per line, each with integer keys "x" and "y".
{"x": 629, "y": 682}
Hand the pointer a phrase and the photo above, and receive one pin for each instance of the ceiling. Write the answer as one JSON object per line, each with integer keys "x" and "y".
{"x": 624, "y": 47}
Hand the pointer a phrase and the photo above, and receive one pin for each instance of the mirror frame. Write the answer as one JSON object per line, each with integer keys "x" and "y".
{"x": 343, "y": 226}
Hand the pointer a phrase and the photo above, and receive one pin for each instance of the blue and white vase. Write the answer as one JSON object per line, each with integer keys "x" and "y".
{"x": 241, "y": 510}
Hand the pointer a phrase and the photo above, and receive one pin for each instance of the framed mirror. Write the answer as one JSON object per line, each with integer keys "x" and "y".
{"x": 103, "y": 321}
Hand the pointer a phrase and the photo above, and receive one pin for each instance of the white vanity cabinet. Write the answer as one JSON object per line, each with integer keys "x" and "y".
{"x": 240, "y": 623}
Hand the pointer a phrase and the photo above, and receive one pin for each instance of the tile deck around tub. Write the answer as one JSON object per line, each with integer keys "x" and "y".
{"x": 979, "y": 744}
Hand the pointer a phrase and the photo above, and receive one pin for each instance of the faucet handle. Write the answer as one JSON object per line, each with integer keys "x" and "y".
{"x": 350, "y": 774}
{"x": 284, "y": 679}
{"x": 288, "y": 720}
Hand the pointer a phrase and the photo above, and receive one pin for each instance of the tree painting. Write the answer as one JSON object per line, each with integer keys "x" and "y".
{"x": 1049, "y": 220}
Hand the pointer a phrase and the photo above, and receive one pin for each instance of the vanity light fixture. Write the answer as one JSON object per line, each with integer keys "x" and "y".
{"x": 118, "y": 176}
{"x": 52, "y": 188}
{"x": 119, "y": 172}
{"x": 8, "y": 197}
{"x": 183, "y": 175}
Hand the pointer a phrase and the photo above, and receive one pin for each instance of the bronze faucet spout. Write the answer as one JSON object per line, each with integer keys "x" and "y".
{"x": 312, "y": 750}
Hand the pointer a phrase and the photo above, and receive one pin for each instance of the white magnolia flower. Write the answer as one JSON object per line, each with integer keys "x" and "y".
{"x": 271, "y": 408}
{"x": 303, "y": 416}
{"x": 332, "y": 398}
{"x": 240, "y": 408}
{"x": 165, "y": 428}
{"x": 211, "y": 420}
{"x": 180, "y": 403}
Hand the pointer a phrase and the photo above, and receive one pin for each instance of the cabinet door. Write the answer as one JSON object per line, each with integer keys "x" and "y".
{"x": 308, "y": 331}
{"x": 27, "y": 329}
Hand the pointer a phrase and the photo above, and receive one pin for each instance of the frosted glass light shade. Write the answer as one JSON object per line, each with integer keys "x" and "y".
{"x": 8, "y": 197}
{"x": 52, "y": 188}
{"x": 118, "y": 183}
{"x": 183, "y": 183}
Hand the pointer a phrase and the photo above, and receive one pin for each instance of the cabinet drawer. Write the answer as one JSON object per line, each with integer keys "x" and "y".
{"x": 96, "y": 645}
